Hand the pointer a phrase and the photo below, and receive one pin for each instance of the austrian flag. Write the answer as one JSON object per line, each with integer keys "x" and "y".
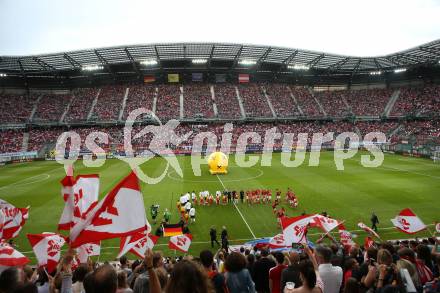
{"x": 120, "y": 213}
{"x": 407, "y": 222}
{"x": 9, "y": 257}
{"x": 13, "y": 219}
{"x": 47, "y": 248}
{"x": 180, "y": 242}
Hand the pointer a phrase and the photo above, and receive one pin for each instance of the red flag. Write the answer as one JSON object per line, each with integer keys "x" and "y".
{"x": 9, "y": 257}
{"x": 243, "y": 78}
{"x": 368, "y": 242}
{"x": 180, "y": 242}
{"x": 408, "y": 222}
{"x": 13, "y": 219}
{"x": 325, "y": 223}
{"x": 121, "y": 213}
{"x": 80, "y": 196}
{"x": 87, "y": 250}
{"x": 368, "y": 229}
{"x": 345, "y": 236}
{"x": 295, "y": 229}
{"x": 47, "y": 248}
{"x": 137, "y": 244}
{"x": 277, "y": 242}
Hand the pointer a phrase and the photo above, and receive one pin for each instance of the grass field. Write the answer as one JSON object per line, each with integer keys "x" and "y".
{"x": 349, "y": 195}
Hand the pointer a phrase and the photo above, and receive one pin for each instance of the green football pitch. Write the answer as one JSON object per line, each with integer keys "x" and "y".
{"x": 349, "y": 195}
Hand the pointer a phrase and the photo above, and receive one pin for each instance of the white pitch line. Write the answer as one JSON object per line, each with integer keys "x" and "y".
{"x": 238, "y": 210}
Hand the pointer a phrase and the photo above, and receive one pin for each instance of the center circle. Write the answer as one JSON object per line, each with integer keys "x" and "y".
{"x": 259, "y": 173}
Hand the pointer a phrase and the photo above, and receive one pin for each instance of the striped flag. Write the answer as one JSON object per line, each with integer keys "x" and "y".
{"x": 172, "y": 230}
{"x": 243, "y": 78}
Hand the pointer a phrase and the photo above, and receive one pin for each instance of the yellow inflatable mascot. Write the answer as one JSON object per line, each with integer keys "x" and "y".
{"x": 218, "y": 163}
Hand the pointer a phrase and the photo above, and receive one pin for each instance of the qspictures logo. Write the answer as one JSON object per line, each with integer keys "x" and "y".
{"x": 165, "y": 138}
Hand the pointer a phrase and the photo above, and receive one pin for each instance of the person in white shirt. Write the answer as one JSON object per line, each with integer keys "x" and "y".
{"x": 192, "y": 214}
{"x": 331, "y": 275}
{"x": 193, "y": 196}
{"x": 182, "y": 200}
{"x": 188, "y": 206}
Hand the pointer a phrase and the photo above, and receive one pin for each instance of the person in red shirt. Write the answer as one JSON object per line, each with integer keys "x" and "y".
{"x": 275, "y": 273}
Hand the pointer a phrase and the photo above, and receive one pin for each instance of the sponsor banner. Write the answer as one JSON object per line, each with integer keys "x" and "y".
{"x": 173, "y": 77}
{"x": 149, "y": 78}
{"x": 197, "y": 77}
{"x": 219, "y": 78}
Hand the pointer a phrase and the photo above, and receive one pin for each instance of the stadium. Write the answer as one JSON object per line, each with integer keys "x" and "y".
{"x": 75, "y": 113}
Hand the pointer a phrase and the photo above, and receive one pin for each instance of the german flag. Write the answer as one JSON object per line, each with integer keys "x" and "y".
{"x": 172, "y": 230}
{"x": 149, "y": 78}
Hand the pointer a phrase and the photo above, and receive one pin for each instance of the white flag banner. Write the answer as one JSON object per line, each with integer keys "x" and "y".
{"x": 47, "y": 248}
{"x": 408, "y": 222}
{"x": 180, "y": 242}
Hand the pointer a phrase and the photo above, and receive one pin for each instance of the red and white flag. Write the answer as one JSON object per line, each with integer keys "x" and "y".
{"x": 295, "y": 229}
{"x": 47, "y": 248}
{"x": 80, "y": 196}
{"x": 13, "y": 219}
{"x": 277, "y": 242}
{"x": 87, "y": 250}
{"x": 345, "y": 236}
{"x": 408, "y": 222}
{"x": 325, "y": 223}
{"x": 9, "y": 257}
{"x": 2, "y": 223}
{"x": 180, "y": 242}
{"x": 243, "y": 78}
{"x": 368, "y": 230}
{"x": 368, "y": 242}
{"x": 137, "y": 244}
{"x": 121, "y": 213}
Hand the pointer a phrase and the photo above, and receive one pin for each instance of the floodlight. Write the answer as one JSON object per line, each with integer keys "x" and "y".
{"x": 399, "y": 70}
{"x": 3, "y": 75}
{"x": 298, "y": 67}
{"x": 199, "y": 61}
{"x": 149, "y": 62}
{"x": 376, "y": 72}
{"x": 92, "y": 67}
{"x": 247, "y": 62}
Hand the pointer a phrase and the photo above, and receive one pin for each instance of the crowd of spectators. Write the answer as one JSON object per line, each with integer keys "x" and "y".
{"x": 421, "y": 127}
{"x": 369, "y": 102}
{"x": 197, "y": 101}
{"x": 109, "y": 102}
{"x": 376, "y": 126}
{"x": 327, "y": 268}
{"x": 139, "y": 96}
{"x": 281, "y": 99}
{"x": 51, "y": 107}
{"x": 254, "y": 102}
{"x": 226, "y": 101}
{"x": 81, "y": 104}
{"x": 307, "y": 102}
{"x": 11, "y": 140}
{"x": 16, "y": 108}
{"x": 168, "y": 102}
{"x": 333, "y": 103}
{"x": 418, "y": 101}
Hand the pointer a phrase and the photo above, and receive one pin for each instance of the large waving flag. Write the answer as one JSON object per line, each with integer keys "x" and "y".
{"x": 2, "y": 223}
{"x": 47, "y": 248}
{"x": 80, "y": 196}
{"x": 13, "y": 219}
{"x": 325, "y": 223}
{"x": 345, "y": 236}
{"x": 137, "y": 244}
{"x": 278, "y": 242}
{"x": 408, "y": 222}
{"x": 295, "y": 229}
{"x": 9, "y": 257}
{"x": 87, "y": 250}
{"x": 121, "y": 213}
{"x": 180, "y": 242}
{"x": 368, "y": 230}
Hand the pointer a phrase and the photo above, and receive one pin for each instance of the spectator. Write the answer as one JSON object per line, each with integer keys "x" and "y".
{"x": 261, "y": 272}
{"x": 331, "y": 275}
{"x": 291, "y": 273}
{"x": 188, "y": 277}
{"x": 275, "y": 273}
{"x": 122, "y": 283}
{"x": 217, "y": 279}
{"x": 238, "y": 279}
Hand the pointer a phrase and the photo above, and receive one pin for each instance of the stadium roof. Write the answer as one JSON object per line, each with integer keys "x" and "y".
{"x": 212, "y": 56}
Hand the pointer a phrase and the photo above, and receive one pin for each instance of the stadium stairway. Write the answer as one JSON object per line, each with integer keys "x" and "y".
{"x": 25, "y": 142}
{"x": 92, "y": 108}
{"x": 344, "y": 100}
{"x": 156, "y": 90}
{"x": 296, "y": 101}
{"x": 67, "y": 109}
{"x": 124, "y": 103}
{"x": 268, "y": 101}
{"x": 181, "y": 103}
{"x": 321, "y": 108}
{"x": 34, "y": 109}
{"x": 240, "y": 102}
{"x": 391, "y": 102}
{"x": 214, "y": 105}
